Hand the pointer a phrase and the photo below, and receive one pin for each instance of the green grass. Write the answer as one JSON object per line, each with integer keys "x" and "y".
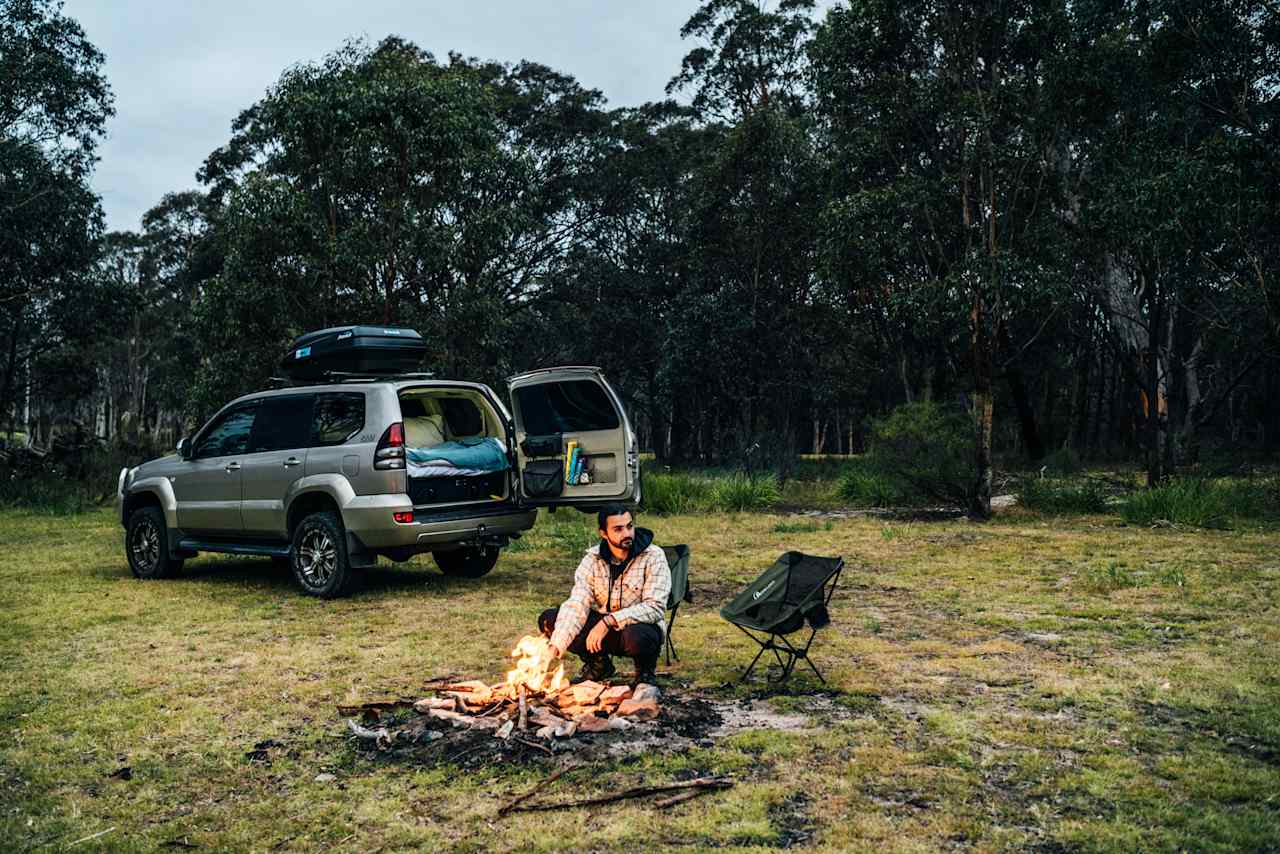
{"x": 1026, "y": 683}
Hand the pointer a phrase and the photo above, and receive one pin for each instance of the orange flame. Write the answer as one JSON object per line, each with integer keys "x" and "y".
{"x": 533, "y": 663}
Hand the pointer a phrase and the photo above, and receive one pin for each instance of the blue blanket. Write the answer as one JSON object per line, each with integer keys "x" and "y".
{"x": 482, "y": 454}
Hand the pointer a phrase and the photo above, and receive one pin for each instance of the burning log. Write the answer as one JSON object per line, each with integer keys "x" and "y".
{"x": 524, "y": 710}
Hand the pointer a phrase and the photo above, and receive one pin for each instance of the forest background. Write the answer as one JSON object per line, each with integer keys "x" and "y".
{"x": 1057, "y": 217}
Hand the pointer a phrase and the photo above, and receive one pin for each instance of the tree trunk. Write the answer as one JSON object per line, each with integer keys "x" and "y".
{"x": 980, "y": 504}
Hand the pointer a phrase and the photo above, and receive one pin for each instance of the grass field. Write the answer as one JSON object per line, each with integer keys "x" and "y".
{"x": 1030, "y": 683}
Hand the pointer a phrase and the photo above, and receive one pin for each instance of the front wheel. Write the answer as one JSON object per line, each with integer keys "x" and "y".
{"x": 146, "y": 544}
{"x": 467, "y": 562}
{"x": 320, "y": 563}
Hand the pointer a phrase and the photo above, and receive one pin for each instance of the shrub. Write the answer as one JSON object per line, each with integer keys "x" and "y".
{"x": 923, "y": 449}
{"x": 860, "y": 486}
{"x": 1051, "y": 495}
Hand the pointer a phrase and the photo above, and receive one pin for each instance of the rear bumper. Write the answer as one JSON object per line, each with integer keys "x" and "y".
{"x": 369, "y": 518}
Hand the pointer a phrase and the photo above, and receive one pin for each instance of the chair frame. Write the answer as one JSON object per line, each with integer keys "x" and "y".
{"x": 670, "y": 644}
{"x": 671, "y": 647}
{"x": 783, "y": 650}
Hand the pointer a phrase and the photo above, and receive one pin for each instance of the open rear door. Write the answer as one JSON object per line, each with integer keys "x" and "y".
{"x": 574, "y": 444}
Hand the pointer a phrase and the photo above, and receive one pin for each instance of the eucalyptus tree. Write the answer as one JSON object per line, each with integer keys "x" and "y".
{"x": 749, "y": 296}
{"x": 943, "y": 116}
{"x": 1175, "y": 185}
{"x": 54, "y": 104}
{"x": 384, "y": 186}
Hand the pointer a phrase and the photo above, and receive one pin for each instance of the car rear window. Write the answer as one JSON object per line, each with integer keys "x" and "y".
{"x": 573, "y": 406}
{"x": 336, "y": 417}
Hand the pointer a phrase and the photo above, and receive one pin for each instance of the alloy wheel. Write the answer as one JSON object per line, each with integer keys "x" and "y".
{"x": 144, "y": 545}
{"x": 317, "y": 557}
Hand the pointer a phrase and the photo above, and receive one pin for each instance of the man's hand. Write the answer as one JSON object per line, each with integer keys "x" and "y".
{"x": 554, "y": 651}
{"x": 595, "y": 638}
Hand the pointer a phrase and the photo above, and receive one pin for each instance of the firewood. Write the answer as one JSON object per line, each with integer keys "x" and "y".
{"x": 380, "y": 737}
{"x": 524, "y": 710}
{"x": 701, "y": 783}
{"x": 427, "y": 703}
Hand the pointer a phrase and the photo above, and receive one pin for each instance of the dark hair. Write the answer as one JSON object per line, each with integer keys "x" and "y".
{"x": 614, "y": 509}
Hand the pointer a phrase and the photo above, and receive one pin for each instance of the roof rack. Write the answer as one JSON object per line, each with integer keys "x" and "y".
{"x": 350, "y": 377}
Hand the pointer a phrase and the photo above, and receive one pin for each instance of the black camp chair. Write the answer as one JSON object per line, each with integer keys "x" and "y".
{"x": 796, "y": 588}
{"x": 678, "y": 562}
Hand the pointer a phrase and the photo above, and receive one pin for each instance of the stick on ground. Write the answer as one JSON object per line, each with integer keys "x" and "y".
{"x": 515, "y": 802}
{"x": 639, "y": 792}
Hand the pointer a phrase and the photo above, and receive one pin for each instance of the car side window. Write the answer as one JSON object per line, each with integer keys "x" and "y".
{"x": 282, "y": 423}
{"x": 228, "y": 435}
{"x": 336, "y": 417}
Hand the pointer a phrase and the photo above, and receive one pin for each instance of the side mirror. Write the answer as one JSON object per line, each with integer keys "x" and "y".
{"x": 184, "y": 448}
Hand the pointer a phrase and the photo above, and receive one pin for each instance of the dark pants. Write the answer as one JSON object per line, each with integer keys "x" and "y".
{"x": 639, "y": 641}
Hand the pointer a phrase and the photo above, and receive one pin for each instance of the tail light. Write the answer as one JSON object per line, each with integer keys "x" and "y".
{"x": 390, "y": 450}
{"x": 403, "y": 518}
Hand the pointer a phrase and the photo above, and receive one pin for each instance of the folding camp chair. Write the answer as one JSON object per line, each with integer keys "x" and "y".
{"x": 796, "y": 588}
{"x": 678, "y": 562}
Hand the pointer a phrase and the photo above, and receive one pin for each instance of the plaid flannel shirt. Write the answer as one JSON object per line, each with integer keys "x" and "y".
{"x": 639, "y": 595}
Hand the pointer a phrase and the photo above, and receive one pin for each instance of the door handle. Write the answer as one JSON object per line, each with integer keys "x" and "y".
{"x": 291, "y": 462}
{"x": 231, "y": 467}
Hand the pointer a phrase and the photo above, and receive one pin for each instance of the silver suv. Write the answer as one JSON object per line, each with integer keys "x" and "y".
{"x": 330, "y": 476}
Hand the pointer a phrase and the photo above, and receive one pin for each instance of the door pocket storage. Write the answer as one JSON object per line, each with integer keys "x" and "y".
{"x": 543, "y": 478}
{"x": 543, "y": 446}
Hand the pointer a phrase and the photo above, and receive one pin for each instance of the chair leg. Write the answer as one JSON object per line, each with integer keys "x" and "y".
{"x": 752, "y": 665}
{"x": 670, "y": 645}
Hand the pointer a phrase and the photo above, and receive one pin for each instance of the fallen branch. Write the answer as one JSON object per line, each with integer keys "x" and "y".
{"x": 708, "y": 783}
{"x": 542, "y": 747}
{"x": 663, "y": 803}
{"x": 379, "y": 736}
{"x": 92, "y": 836}
{"x": 376, "y": 706}
{"x": 529, "y": 794}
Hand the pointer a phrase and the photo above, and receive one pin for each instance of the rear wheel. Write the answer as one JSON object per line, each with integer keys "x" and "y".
{"x": 320, "y": 563}
{"x": 146, "y": 544}
{"x": 467, "y": 562}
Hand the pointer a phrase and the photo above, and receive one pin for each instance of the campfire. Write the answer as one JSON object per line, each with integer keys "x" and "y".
{"x": 534, "y": 701}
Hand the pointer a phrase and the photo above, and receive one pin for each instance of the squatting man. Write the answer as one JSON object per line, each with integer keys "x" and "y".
{"x": 619, "y": 596}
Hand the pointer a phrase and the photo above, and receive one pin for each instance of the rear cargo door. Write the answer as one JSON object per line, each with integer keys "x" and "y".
{"x": 574, "y": 443}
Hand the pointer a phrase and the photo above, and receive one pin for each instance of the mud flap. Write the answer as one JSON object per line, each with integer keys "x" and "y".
{"x": 358, "y": 556}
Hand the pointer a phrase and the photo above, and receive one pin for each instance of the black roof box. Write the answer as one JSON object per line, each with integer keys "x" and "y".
{"x": 363, "y": 350}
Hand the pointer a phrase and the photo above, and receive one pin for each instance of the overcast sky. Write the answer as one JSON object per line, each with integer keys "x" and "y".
{"x": 182, "y": 70}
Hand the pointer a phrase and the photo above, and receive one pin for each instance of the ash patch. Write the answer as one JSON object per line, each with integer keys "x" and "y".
{"x": 687, "y": 720}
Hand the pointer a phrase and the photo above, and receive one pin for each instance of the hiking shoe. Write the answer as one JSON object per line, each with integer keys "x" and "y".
{"x": 644, "y": 677}
{"x": 596, "y": 669}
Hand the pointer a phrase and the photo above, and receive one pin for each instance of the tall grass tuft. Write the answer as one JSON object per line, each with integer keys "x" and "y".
{"x": 684, "y": 492}
{"x": 741, "y": 491}
{"x": 1201, "y": 503}
{"x": 1053, "y": 495}
{"x": 675, "y": 492}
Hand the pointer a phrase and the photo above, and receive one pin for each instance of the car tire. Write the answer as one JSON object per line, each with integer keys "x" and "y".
{"x": 467, "y": 562}
{"x": 146, "y": 545}
{"x": 320, "y": 563}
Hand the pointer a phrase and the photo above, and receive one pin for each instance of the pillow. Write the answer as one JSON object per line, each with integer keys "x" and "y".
{"x": 424, "y": 431}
